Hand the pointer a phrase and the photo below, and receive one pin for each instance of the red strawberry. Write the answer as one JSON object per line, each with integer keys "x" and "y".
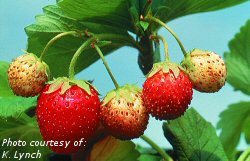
{"x": 27, "y": 75}
{"x": 68, "y": 110}
{"x": 167, "y": 92}
{"x": 123, "y": 114}
{"x": 206, "y": 70}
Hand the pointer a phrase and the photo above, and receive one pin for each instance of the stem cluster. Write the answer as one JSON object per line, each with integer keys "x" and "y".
{"x": 92, "y": 41}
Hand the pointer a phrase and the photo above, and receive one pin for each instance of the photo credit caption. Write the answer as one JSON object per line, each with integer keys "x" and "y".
{"x": 15, "y": 154}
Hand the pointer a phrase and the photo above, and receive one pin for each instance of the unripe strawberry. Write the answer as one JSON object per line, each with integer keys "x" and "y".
{"x": 206, "y": 70}
{"x": 27, "y": 75}
{"x": 123, "y": 113}
{"x": 167, "y": 92}
{"x": 68, "y": 110}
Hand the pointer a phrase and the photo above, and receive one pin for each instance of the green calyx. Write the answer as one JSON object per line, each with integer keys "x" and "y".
{"x": 165, "y": 67}
{"x": 65, "y": 83}
{"x": 47, "y": 70}
{"x": 187, "y": 63}
{"x": 199, "y": 51}
{"x": 124, "y": 92}
{"x": 33, "y": 59}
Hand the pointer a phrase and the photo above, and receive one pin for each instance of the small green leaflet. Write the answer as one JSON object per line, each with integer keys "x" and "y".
{"x": 144, "y": 25}
{"x": 233, "y": 122}
{"x": 193, "y": 138}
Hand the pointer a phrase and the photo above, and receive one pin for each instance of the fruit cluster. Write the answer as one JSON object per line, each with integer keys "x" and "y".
{"x": 70, "y": 109}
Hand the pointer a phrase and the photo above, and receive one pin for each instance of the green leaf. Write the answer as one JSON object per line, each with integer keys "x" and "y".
{"x": 144, "y": 25}
{"x": 193, "y": 138}
{"x": 115, "y": 13}
{"x": 148, "y": 154}
{"x": 5, "y": 90}
{"x": 246, "y": 129}
{"x": 167, "y": 10}
{"x": 24, "y": 128}
{"x": 111, "y": 149}
{"x": 233, "y": 122}
{"x": 53, "y": 22}
{"x": 238, "y": 60}
{"x": 112, "y": 12}
{"x": 14, "y": 106}
{"x": 148, "y": 157}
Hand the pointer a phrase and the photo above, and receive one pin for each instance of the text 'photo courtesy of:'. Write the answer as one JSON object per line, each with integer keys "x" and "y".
{"x": 125, "y": 80}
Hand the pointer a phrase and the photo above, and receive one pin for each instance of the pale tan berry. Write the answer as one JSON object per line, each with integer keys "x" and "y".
{"x": 125, "y": 119}
{"x": 27, "y": 75}
{"x": 208, "y": 73}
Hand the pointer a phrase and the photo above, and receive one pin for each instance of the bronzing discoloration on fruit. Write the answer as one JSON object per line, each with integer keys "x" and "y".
{"x": 124, "y": 115}
{"x": 166, "y": 95}
{"x": 68, "y": 116}
{"x": 27, "y": 75}
{"x": 207, "y": 71}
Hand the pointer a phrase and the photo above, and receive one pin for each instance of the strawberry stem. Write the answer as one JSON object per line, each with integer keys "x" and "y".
{"x": 165, "y": 156}
{"x": 150, "y": 18}
{"x": 76, "y": 55}
{"x": 106, "y": 65}
{"x": 245, "y": 155}
{"x": 54, "y": 39}
{"x": 125, "y": 39}
{"x": 164, "y": 41}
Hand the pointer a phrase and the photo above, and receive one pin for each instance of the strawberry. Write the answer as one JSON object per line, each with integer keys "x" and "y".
{"x": 27, "y": 75}
{"x": 123, "y": 113}
{"x": 167, "y": 91}
{"x": 68, "y": 110}
{"x": 206, "y": 70}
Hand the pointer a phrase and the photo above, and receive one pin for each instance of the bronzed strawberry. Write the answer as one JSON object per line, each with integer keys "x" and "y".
{"x": 206, "y": 70}
{"x": 123, "y": 113}
{"x": 68, "y": 110}
{"x": 27, "y": 75}
{"x": 167, "y": 92}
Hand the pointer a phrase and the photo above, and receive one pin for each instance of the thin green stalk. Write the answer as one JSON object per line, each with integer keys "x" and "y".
{"x": 130, "y": 40}
{"x": 169, "y": 29}
{"x": 164, "y": 41}
{"x": 165, "y": 156}
{"x": 76, "y": 55}
{"x": 53, "y": 40}
{"x": 244, "y": 155}
{"x": 106, "y": 65}
{"x": 87, "y": 43}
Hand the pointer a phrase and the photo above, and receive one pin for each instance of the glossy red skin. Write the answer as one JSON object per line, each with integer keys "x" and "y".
{"x": 167, "y": 97}
{"x": 68, "y": 117}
